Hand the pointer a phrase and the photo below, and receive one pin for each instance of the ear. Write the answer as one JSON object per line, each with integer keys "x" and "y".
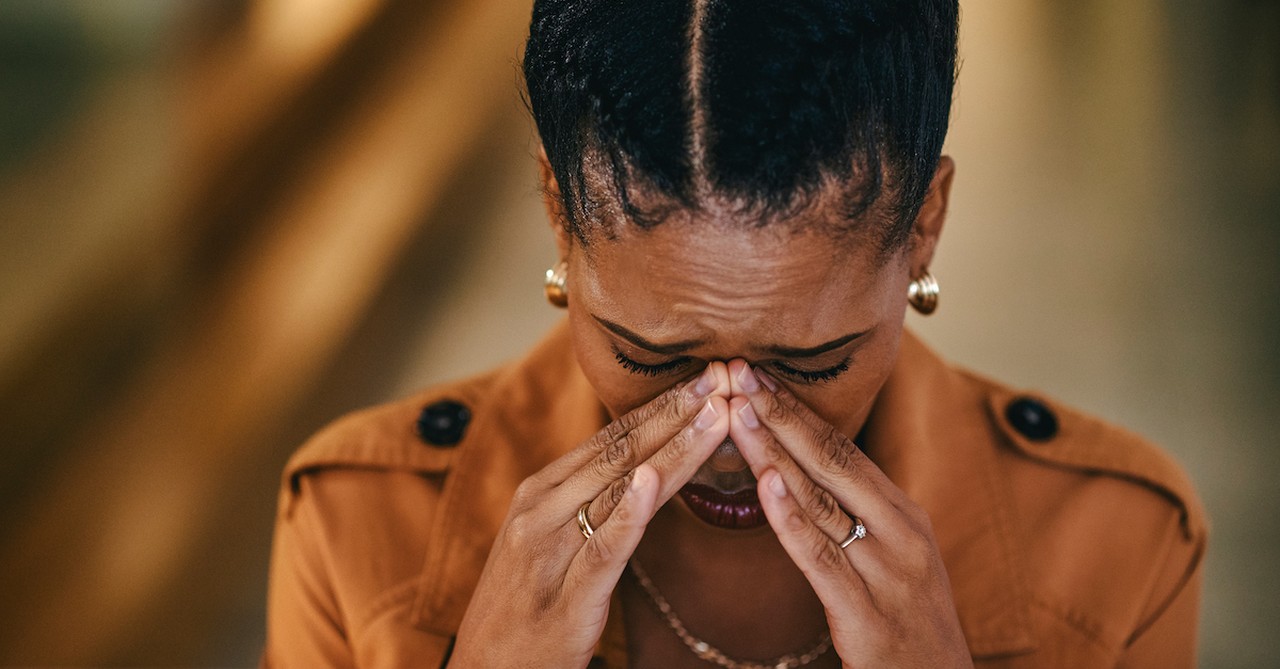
{"x": 553, "y": 203}
{"x": 933, "y": 214}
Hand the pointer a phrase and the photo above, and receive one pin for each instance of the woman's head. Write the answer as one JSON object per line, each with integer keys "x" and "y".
{"x": 744, "y": 179}
{"x": 765, "y": 106}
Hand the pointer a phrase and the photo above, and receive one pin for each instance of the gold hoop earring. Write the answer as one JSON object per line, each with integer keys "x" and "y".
{"x": 922, "y": 294}
{"x": 557, "y": 294}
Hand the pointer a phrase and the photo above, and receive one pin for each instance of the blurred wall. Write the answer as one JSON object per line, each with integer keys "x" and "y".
{"x": 223, "y": 224}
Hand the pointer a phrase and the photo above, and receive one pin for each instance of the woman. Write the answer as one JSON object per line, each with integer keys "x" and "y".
{"x": 731, "y": 453}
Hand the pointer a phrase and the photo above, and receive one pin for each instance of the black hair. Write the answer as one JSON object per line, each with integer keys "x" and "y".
{"x": 761, "y": 103}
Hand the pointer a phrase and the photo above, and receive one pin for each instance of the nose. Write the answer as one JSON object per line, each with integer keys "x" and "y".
{"x": 726, "y": 458}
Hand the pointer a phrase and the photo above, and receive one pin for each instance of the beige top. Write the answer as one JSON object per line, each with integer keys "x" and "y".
{"x": 1069, "y": 542}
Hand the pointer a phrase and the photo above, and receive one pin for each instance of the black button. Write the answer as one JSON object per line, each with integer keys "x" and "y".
{"x": 1032, "y": 418}
{"x": 443, "y": 423}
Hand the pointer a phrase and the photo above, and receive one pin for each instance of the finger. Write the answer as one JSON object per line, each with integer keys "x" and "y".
{"x": 824, "y": 564}
{"x": 762, "y": 452}
{"x": 594, "y": 571}
{"x": 635, "y": 437}
{"x": 676, "y": 462}
{"x": 681, "y": 458}
{"x": 632, "y": 437}
{"x": 829, "y": 458}
{"x": 598, "y": 509}
{"x": 743, "y": 385}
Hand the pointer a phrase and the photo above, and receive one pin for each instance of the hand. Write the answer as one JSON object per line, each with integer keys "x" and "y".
{"x": 543, "y": 597}
{"x": 887, "y": 598}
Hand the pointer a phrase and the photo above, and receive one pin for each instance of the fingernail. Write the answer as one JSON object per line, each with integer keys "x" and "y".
{"x": 768, "y": 382}
{"x": 776, "y": 486}
{"x": 706, "y": 418}
{"x": 747, "y": 379}
{"x": 706, "y": 383}
{"x": 748, "y": 416}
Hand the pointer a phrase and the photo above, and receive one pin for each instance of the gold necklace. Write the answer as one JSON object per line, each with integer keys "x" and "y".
{"x": 710, "y": 653}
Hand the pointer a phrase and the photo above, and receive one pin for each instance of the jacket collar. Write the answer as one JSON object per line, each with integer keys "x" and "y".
{"x": 947, "y": 466}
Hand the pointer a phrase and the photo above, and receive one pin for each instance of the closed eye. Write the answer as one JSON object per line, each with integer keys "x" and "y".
{"x": 812, "y": 376}
{"x": 659, "y": 369}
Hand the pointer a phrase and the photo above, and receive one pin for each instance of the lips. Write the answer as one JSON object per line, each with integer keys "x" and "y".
{"x": 735, "y": 511}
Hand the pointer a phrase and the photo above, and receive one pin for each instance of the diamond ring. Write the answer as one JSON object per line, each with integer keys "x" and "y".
{"x": 859, "y": 531}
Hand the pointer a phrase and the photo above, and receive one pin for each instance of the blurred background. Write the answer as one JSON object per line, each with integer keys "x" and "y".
{"x": 224, "y": 223}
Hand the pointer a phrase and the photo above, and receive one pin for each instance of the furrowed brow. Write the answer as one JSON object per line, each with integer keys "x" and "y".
{"x": 811, "y": 351}
{"x": 663, "y": 349}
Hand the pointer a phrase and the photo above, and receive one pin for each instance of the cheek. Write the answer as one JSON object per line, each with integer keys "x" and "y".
{"x": 619, "y": 390}
{"x": 847, "y": 402}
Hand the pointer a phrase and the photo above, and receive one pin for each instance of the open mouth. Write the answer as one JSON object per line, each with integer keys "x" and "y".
{"x": 736, "y": 511}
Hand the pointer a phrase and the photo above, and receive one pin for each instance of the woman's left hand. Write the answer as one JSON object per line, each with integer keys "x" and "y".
{"x": 887, "y": 597}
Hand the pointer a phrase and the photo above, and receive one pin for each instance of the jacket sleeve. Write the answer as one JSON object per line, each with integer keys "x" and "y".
{"x": 1167, "y": 638}
{"x": 304, "y": 625}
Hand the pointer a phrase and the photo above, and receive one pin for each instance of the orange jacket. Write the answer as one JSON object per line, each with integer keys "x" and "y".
{"x": 1069, "y": 542}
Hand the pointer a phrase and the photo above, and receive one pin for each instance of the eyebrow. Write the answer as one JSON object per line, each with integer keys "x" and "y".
{"x": 665, "y": 349}
{"x": 811, "y": 351}
{"x": 682, "y": 346}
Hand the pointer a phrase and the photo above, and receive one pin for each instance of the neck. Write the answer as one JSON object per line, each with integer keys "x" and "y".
{"x": 723, "y": 583}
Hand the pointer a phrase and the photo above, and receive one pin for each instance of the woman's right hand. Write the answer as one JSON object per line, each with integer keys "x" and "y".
{"x": 543, "y": 597}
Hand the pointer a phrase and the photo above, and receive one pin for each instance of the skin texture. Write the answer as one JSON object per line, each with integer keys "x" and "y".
{"x": 715, "y": 299}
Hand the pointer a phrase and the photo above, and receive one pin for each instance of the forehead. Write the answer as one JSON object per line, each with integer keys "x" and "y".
{"x": 734, "y": 284}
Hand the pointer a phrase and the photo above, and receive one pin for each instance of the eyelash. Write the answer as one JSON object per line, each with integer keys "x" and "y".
{"x": 648, "y": 370}
{"x": 800, "y": 375}
{"x": 818, "y": 376}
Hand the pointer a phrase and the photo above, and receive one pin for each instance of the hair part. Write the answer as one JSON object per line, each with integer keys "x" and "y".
{"x": 761, "y": 110}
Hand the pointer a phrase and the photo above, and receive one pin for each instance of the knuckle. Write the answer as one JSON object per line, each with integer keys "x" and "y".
{"x": 917, "y": 553}
{"x": 819, "y": 503}
{"x": 666, "y": 406}
{"x": 520, "y": 531}
{"x": 777, "y": 412}
{"x": 774, "y": 452}
{"x": 920, "y": 518}
{"x": 680, "y": 445}
{"x": 619, "y": 452}
{"x": 857, "y": 458}
{"x": 796, "y": 410}
{"x": 830, "y": 557}
{"x": 621, "y": 513}
{"x": 614, "y": 431}
{"x": 524, "y": 495}
{"x": 672, "y": 399}
{"x": 796, "y": 521}
{"x": 789, "y": 402}
{"x": 599, "y": 551}
{"x": 616, "y": 490}
{"x": 630, "y": 421}
{"x": 833, "y": 449}
{"x": 675, "y": 410}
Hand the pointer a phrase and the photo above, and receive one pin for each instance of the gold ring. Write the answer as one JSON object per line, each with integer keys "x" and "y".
{"x": 583, "y": 524}
{"x": 859, "y": 531}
